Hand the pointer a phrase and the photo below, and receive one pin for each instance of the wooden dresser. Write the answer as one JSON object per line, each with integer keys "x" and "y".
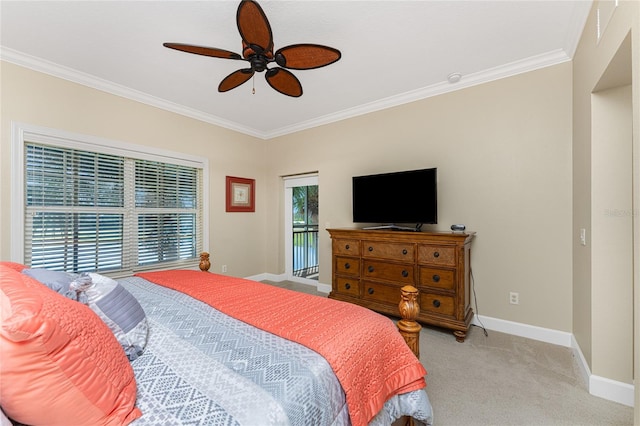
{"x": 370, "y": 267}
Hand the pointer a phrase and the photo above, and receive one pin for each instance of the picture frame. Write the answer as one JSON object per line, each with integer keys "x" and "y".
{"x": 241, "y": 194}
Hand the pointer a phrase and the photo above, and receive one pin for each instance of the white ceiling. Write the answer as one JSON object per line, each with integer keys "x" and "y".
{"x": 393, "y": 52}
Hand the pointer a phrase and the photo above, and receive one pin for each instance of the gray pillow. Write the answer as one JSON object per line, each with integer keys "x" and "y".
{"x": 55, "y": 280}
{"x": 121, "y": 311}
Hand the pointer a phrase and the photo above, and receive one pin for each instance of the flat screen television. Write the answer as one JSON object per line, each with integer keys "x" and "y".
{"x": 390, "y": 199}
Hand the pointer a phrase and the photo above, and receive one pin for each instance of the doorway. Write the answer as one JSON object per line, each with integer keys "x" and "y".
{"x": 301, "y": 228}
{"x": 613, "y": 260}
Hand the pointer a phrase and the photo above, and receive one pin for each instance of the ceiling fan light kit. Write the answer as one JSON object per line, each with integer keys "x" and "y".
{"x": 257, "y": 49}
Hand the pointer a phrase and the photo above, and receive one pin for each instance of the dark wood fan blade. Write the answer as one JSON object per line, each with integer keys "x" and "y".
{"x": 284, "y": 82}
{"x": 254, "y": 27}
{"x": 306, "y": 56}
{"x": 204, "y": 51}
{"x": 235, "y": 79}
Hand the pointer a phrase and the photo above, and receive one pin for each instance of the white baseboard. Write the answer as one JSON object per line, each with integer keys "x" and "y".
{"x": 582, "y": 361}
{"x": 548, "y": 335}
{"x": 267, "y": 277}
{"x": 622, "y": 393}
{"x": 612, "y": 390}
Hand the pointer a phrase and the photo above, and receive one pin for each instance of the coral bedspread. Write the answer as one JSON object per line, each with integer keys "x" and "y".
{"x": 365, "y": 350}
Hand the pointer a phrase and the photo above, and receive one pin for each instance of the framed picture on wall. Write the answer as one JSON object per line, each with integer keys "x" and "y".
{"x": 241, "y": 194}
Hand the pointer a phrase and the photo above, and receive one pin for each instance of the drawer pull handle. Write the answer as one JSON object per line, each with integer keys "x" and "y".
{"x": 436, "y": 278}
{"x": 371, "y": 269}
{"x": 405, "y": 274}
{"x": 370, "y": 248}
{"x": 436, "y": 303}
{"x": 347, "y": 286}
{"x": 347, "y": 266}
{"x": 436, "y": 254}
{"x": 370, "y": 291}
{"x": 404, "y": 251}
{"x": 347, "y": 247}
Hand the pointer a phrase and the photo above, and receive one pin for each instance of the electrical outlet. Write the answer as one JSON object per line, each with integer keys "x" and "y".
{"x": 514, "y": 298}
{"x": 224, "y": 268}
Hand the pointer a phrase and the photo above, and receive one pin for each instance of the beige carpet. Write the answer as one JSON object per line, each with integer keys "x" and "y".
{"x": 502, "y": 379}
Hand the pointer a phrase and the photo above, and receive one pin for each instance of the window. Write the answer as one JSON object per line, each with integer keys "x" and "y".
{"x": 92, "y": 207}
{"x": 166, "y": 202}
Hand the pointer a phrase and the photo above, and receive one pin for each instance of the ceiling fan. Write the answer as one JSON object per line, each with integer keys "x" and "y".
{"x": 257, "y": 49}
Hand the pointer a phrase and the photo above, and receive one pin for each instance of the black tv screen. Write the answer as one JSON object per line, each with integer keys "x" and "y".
{"x": 407, "y": 197}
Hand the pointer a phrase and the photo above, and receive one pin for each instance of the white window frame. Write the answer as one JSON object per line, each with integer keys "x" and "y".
{"x": 22, "y": 133}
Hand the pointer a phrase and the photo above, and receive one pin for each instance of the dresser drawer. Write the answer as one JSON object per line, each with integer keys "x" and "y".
{"x": 439, "y": 278}
{"x": 388, "y": 271}
{"x": 348, "y": 286}
{"x": 378, "y": 292}
{"x": 346, "y": 247}
{"x": 437, "y": 304}
{"x": 393, "y": 251}
{"x": 347, "y": 266}
{"x": 436, "y": 255}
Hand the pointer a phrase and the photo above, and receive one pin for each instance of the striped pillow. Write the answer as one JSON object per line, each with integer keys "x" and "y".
{"x": 120, "y": 310}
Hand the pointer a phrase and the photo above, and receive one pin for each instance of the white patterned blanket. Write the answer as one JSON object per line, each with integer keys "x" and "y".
{"x": 202, "y": 367}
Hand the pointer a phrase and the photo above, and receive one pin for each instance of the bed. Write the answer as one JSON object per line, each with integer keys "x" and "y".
{"x": 217, "y": 350}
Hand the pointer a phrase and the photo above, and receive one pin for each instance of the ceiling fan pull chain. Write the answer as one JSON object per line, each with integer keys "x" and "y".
{"x": 253, "y": 81}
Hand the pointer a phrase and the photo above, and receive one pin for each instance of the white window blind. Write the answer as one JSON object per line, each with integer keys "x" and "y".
{"x": 166, "y": 200}
{"x": 91, "y": 211}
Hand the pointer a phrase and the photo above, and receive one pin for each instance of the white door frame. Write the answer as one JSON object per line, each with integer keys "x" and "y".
{"x": 289, "y": 183}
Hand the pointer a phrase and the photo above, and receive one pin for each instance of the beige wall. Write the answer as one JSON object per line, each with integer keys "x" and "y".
{"x": 38, "y": 99}
{"x": 503, "y": 152}
{"x": 606, "y": 166}
{"x": 502, "y": 149}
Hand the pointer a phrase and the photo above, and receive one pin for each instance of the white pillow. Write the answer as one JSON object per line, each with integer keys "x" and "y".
{"x": 120, "y": 311}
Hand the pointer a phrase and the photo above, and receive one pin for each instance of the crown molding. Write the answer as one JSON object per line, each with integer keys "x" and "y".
{"x": 529, "y": 64}
{"x": 518, "y": 67}
{"x": 72, "y": 75}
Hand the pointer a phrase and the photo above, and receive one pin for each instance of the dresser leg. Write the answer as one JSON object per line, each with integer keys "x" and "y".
{"x": 460, "y": 335}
